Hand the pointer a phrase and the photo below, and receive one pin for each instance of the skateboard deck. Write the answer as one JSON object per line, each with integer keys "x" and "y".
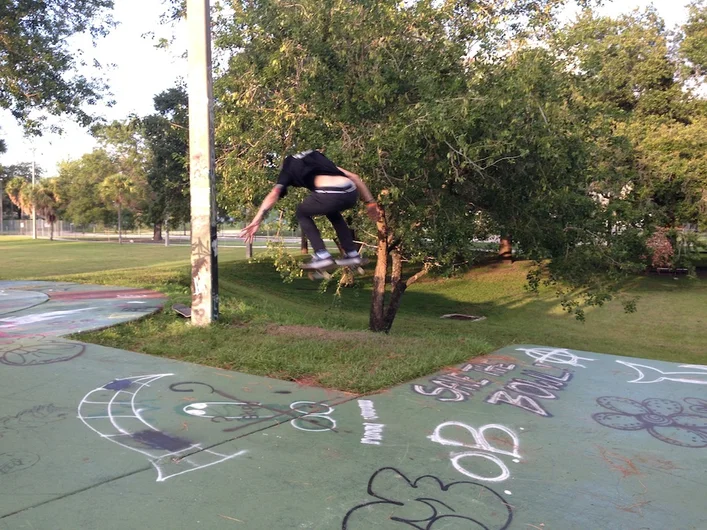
{"x": 325, "y": 274}
{"x": 182, "y": 310}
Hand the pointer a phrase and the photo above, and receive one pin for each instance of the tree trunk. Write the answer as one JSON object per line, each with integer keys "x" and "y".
{"x": 376, "y": 321}
{"x": 505, "y": 251}
{"x": 157, "y": 232}
{"x": 120, "y": 224}
{"x": 304, "y": 245}
{"x": 249, "y": 251}
{"x": 381, "y": 317}
{"x": 51, "y": 230}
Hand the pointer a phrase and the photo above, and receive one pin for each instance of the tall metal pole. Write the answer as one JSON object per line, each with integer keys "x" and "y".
{"x": 34, "y": 207}
{"x": 204, "y": 241}
{"x": 2, "y": 216}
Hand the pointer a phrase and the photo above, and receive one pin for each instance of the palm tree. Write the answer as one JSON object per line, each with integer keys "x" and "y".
{"x": 20, "y": 193}
{"x": 121, "y": 190}
{"x": 46, "y": 200}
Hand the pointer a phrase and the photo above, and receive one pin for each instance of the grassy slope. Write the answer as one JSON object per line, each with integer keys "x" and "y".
{"x": 275, "y": 329}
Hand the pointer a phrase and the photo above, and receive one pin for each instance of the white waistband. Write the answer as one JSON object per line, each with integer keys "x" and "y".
{"x": 347, "y": 188}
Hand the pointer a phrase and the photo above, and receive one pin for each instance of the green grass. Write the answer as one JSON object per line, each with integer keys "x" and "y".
{"x": 294, "y": 332}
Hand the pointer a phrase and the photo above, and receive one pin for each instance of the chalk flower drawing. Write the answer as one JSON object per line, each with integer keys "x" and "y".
{"x": 664, "y": 419}
{"x": 427, "y": 503}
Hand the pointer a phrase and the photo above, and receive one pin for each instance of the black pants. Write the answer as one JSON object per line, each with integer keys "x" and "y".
{"x": 331, "y": 204}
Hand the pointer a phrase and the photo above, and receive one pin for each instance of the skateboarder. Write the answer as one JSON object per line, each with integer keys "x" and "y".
{"x": 333, "y": 190}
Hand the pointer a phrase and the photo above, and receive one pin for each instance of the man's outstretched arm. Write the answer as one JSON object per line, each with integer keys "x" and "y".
{"x": 248, "y": 233}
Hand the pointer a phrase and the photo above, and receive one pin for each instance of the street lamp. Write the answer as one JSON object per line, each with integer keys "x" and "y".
{"x": 34, "y": 206}
{"x": 2, "y": 216}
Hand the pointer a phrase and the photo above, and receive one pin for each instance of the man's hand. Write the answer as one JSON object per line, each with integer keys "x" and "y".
{"x": 248, "y": 233}
{"x": 372, "y": 211}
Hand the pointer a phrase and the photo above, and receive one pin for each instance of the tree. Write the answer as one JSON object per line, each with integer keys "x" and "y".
{"x": 47, "y": 202}
{"x": 122, "y": 191}
{"x": 694, "y": 44}
{"x": 167, "y": 141}
{"x": 393, "y": 93}
{"x": 20, "y": 193}
{"x": 24, "y": 171}
{"x": 79, "y": 184}
{"x": 653, "y": 125}
{"x": 37, "y": 69}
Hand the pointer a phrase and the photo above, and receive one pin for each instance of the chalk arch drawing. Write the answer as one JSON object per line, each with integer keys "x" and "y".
{"x": 694, "y": 373}
{"x": 111, "y": 411}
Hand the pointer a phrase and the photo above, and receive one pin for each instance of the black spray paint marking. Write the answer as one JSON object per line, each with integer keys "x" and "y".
{"x": 399, "y": 501}
{"x": 160, "y": 440}
{"x": 16, "y": 461}
{"x": 32, "y": 418}
{"x": 46, "y": 352}
{"x": 118, "y": 384}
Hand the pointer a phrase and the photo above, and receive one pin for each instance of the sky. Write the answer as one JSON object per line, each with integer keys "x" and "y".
{"x": 141, "y": 71}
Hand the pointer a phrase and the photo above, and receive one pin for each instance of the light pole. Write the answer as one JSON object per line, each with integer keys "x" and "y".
{"x": 34, "y": 207}
{"x": 204, "y": 241}
{"x": 2, "y": 216}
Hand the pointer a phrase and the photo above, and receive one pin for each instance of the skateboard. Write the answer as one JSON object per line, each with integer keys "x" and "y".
{"x": 325, "y": 274}
{"x": 182, "y": 310}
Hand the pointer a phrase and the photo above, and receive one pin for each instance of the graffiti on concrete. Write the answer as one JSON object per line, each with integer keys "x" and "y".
{"x": 481, "y": 448}
{"x": 663, "y": 419}
{"x": 451, "y": 387}
{"x": 226, "y": 411}
{"x": 427, "y": 502}
{"x": 113, "y": 412}
{"x": 562, "y": 356}
{"x": 524, "y": 393}
{"x": 32, "y": 418}
{"x": 306, "y": 415}
{"x": 695, "y": 374}
{"x": 17, "y": 461}
{"x": 303, "y": 415}
{"x": 14, "y": 322}
{"x": 316, "y": 417}
{"x": 36, "y": 352}
{"x": 373, "y": 432}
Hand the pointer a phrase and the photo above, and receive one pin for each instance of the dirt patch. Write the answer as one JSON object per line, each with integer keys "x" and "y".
{"x": 313, "y": 332}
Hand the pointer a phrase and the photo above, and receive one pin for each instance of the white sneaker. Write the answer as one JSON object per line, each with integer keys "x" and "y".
{"x": 351, "y": 260}
{"x": 318, "y": 262}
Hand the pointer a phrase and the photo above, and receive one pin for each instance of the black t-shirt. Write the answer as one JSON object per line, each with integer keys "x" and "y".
{"x": 299, "y": 170}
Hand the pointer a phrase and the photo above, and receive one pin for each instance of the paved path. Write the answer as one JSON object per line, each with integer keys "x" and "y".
{"x": 530, "y": 437}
